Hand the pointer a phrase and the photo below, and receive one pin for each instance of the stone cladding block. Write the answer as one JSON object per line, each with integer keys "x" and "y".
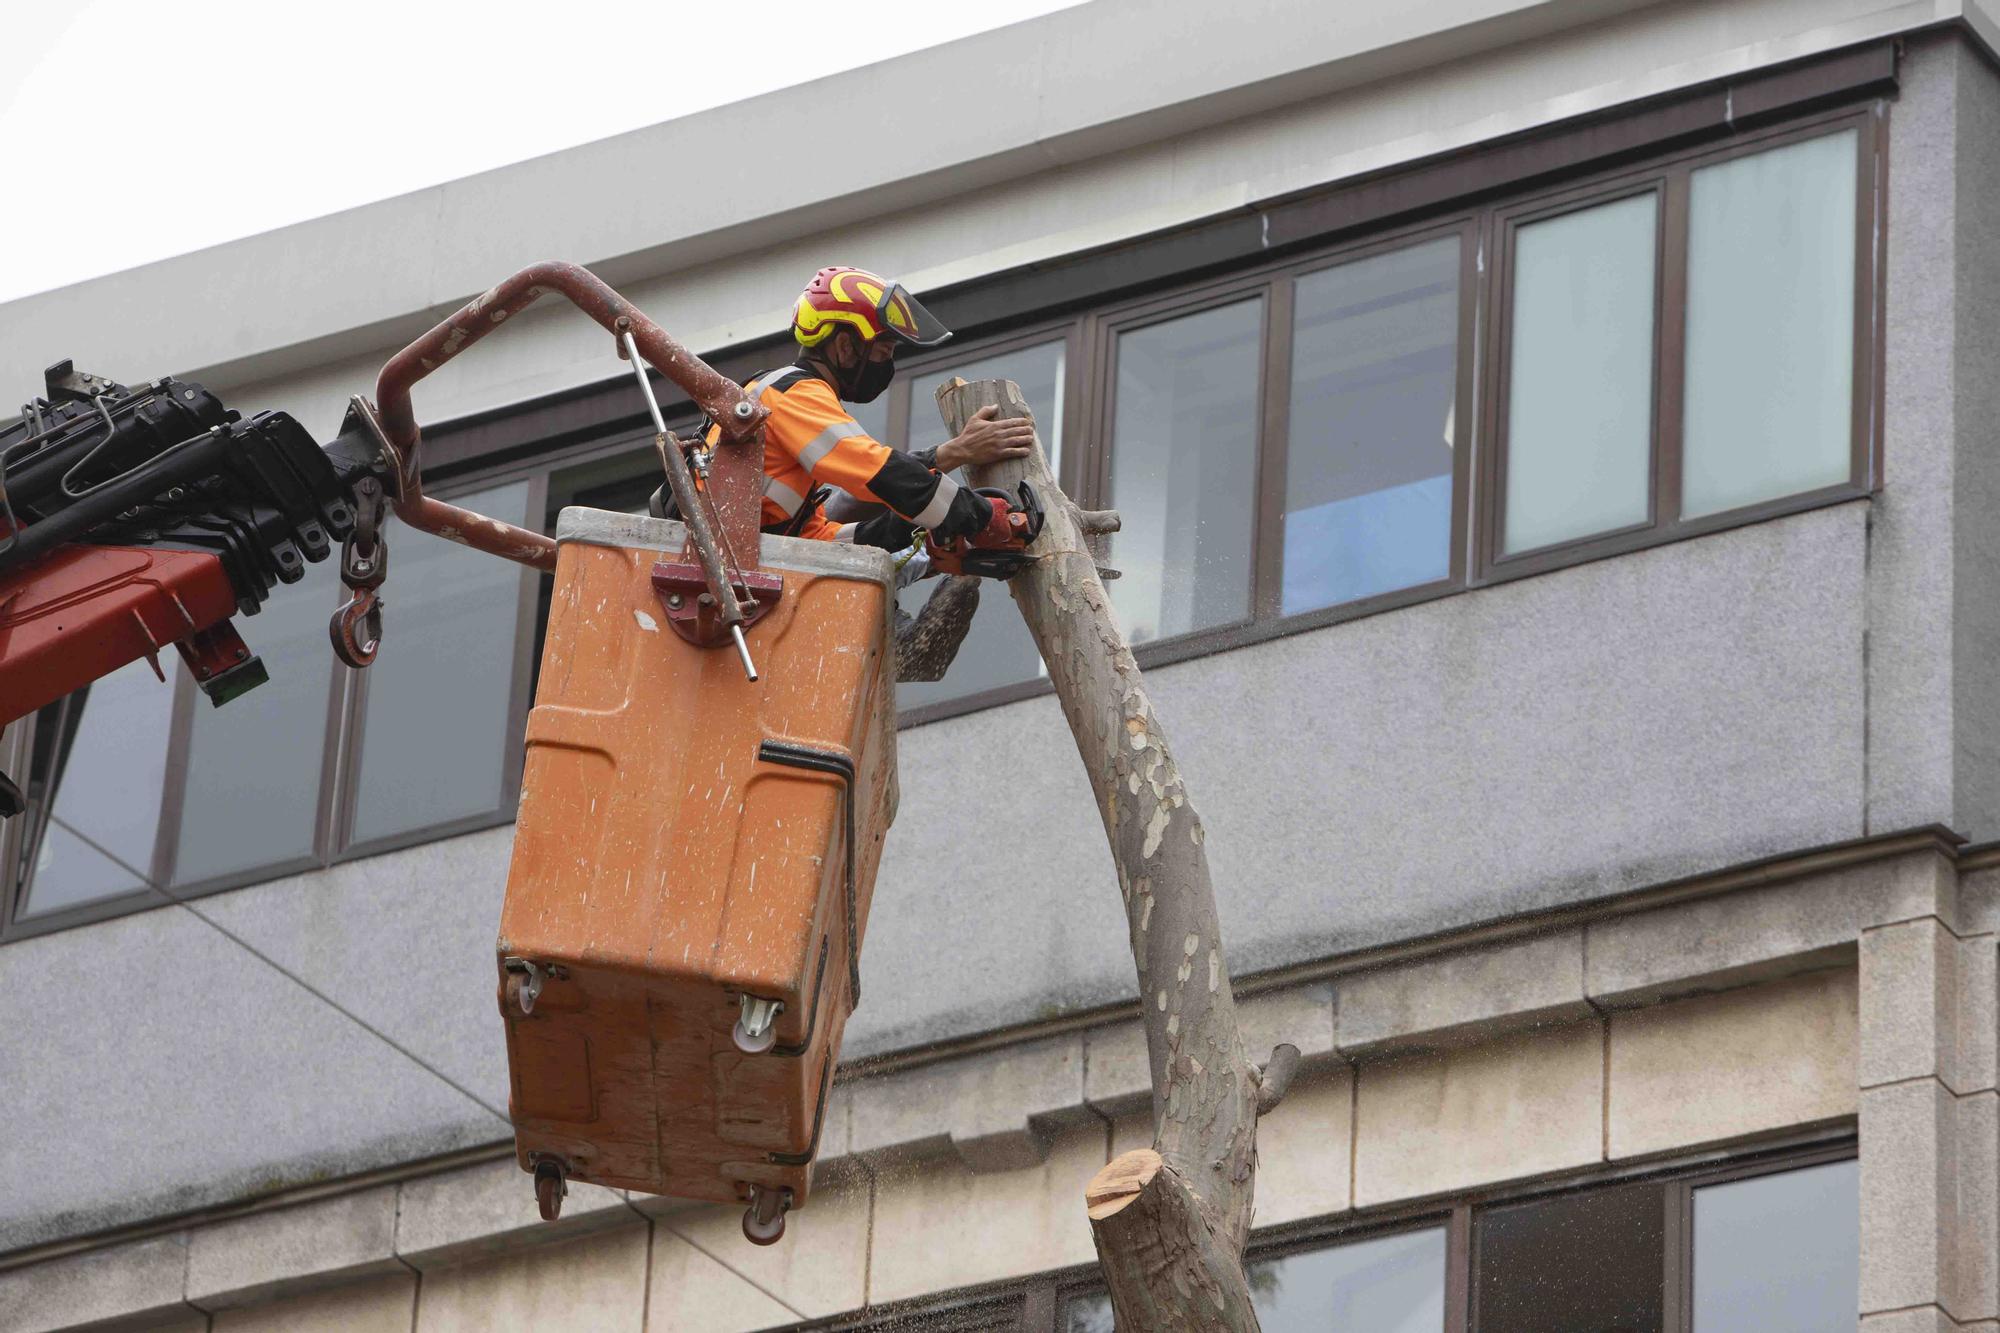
{"x": 1717, "y": 1067}
{"x": 1909, "y": 1160}
{"x": 819, "y": 1268}
{"x": 1463, "y": 997}
{"x": 594, "y": 1282}
{"x": 142, "y": 1281}
{"x": 375, "y": 1305}
{"x": 940, "y": 1225}
{"x": 490, "y": 1207}
{"x": 1521, "y": 1106}
{"x": 1910, "y": 1004}
{"x": 293, "y": 1249}
{"x": 997, "y": 1108}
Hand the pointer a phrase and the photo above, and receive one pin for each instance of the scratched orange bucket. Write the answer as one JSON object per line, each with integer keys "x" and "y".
{"x": 692, "y": 868}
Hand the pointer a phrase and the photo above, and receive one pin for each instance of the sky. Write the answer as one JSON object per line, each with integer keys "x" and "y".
{"x": 207, "y": 120}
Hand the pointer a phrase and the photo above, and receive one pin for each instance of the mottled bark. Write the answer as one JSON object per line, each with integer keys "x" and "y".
{"x": 1176, "y": 1261}
{"x": 927, "y": 643}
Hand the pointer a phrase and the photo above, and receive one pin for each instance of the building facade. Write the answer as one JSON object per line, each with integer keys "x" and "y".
{"x": 1555, "y": 441}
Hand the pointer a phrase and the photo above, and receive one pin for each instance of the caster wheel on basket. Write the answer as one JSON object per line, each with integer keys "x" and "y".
{"x": 756, "y": 1029}
{"x": 764, "y": 1219}
{"x": 550, "y": 1187}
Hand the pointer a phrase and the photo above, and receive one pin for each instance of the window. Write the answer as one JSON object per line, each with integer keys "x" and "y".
{"x": 1385, "y": 1284}
{"x": 1770, "y": 325}
{"x": 998, "y": 651}
{"x": 253, "y": 791}
{"x": 1769, "y": 1243}
{"x": 440, "y": 708}
{"x": 92, "y": 766}
{"x": 1780, "y": 1253}
{"x": 1590, "y": 1259}
{"x": 142, "y": 792}
{"x": 1682, "y": 347}
{"x": 1183, "y": 461}
{"x": 1580, "y": 377}
{"x": 1373, "y": 439}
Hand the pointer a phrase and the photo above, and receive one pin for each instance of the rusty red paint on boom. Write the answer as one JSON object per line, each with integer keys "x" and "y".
{"x": 714, "y": 393}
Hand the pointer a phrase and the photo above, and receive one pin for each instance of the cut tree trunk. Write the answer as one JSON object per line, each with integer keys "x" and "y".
{"x": 1170, "y": 1222}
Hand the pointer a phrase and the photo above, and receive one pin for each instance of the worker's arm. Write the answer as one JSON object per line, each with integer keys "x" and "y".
{"x": 808, "y": 422}
{"x": 883, "y": 530}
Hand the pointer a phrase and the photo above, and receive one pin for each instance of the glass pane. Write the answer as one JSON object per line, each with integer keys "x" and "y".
{"x": 1374, "y": 386}
{"x": 997, "y": 649}
{"x": 440, "y": 697}
{"x": 872, "y": 417}
{"x": 1594, "y": 1259}
{"x": 1088, "y": 1314}
{"x": 1039, "y": 372}
{"x": 1392, "y": 1284}
{"x": 252, "y": 796}
{"x": 105, "y": 817}
{"x": 1770, "y": 325}
{"x": 1780, "y": 1253}
{"x": 1580, "y": 392}
{"x": 1184, "y": 470}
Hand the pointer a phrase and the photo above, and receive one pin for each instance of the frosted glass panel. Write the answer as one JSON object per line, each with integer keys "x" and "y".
{"x": 1374, "y": 381}
{"x": 439, "y": 704}
{"x": 1770, "y": 325}
{"x": 1779, "y": 1253}
{"x": 254, "y": 764}
{"x": 1580, "y": 393}
{"x": 1183, "y": 470}
{"x": 997, "y": 649}
{"x": 105, "y": 816}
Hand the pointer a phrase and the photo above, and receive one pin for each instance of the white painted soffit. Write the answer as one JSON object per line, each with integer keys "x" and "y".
{"x": 1102, "y": 77}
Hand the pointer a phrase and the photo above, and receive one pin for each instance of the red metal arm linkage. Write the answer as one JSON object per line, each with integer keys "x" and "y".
{"x": 711, "y": 391}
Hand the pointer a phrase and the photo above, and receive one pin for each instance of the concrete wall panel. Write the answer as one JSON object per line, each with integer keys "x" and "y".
{"x": 152, "y": 1066}
{"x": 1520, "y": 747}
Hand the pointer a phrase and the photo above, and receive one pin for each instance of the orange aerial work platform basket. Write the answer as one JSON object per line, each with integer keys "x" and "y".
{"x": 692, "y": 869}
{"x": 697, "y": 841}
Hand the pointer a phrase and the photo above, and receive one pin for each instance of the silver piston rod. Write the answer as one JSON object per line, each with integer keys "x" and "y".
{"x": 688, "y": 498}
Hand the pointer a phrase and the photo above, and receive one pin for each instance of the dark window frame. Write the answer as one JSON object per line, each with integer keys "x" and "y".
{"x": 334, "y": 775}
{"x": 1037, "y": 1303}
{"x": 354, "y": 713}
{"x": 1669, "y": 178}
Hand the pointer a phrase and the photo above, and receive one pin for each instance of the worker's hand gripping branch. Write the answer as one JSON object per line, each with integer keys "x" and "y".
{"x": 985, "y": 440}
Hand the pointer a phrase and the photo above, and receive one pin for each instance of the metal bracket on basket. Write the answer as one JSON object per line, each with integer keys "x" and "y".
{"x": 691, "y": 609}
{"x": 708, "y": 595}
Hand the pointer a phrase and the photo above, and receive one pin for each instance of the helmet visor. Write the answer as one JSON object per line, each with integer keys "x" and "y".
{"x": 905, "y": 317}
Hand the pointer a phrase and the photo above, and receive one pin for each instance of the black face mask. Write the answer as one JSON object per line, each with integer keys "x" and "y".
{"x": 865, "y": 383}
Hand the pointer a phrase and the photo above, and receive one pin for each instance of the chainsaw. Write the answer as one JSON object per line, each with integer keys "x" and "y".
{"x": 1000, "y": 549}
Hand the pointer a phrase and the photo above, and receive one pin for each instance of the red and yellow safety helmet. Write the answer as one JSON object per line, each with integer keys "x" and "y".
{"x": 869, "y": 304}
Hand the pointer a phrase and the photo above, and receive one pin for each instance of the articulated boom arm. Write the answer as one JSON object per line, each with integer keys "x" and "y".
{"x": 137, "y": 517}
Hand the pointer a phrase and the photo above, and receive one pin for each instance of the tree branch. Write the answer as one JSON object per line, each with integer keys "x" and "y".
{"x": 1176, "y": 1263}
{"x": 926, "y": 645}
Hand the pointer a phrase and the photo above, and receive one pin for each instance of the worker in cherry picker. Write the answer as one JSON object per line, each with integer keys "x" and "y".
{"x": 850, "y": 325}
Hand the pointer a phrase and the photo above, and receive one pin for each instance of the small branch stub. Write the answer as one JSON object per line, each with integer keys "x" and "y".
{"x": 1274, "y": 1080}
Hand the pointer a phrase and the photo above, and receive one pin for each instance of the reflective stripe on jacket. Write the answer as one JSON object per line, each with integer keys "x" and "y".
{"x": 810, "y": 439}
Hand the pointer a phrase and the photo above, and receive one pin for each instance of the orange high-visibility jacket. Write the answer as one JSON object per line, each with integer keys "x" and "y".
{"x": 810, "y": 439}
